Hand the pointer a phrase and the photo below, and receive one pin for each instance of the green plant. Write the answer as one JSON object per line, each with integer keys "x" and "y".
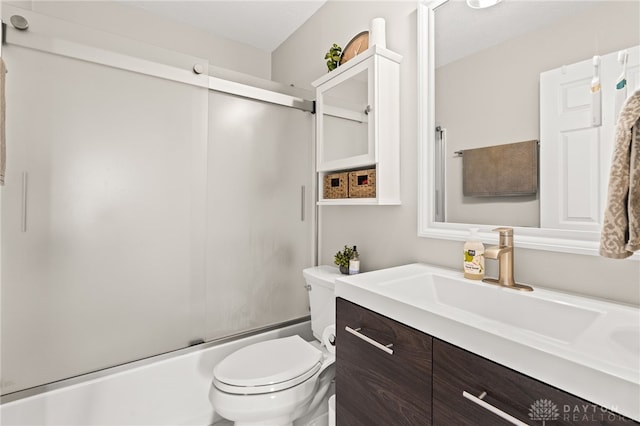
{"x": 333, "y": 56}
{"x": 343, "y": 257}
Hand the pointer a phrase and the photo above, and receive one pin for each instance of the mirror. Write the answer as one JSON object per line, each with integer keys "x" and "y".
{"x": 484, "y": 83}
{"x": 344, "y": 119}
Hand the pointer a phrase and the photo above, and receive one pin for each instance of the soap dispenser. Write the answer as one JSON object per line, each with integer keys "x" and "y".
{"x": 473, "y": 256}
{"x": 354, "y": 263}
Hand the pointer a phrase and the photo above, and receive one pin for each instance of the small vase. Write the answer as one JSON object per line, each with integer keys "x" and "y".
{"x": 344, "y": 270}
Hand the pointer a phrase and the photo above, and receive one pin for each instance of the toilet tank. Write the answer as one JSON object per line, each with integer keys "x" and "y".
{"x": 321, "y": 280}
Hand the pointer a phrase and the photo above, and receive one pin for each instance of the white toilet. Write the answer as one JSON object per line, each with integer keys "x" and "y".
{"x": 278, "y": 381}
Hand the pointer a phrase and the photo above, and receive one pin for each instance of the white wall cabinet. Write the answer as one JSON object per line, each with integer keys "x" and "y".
{"x": 357, "y": 127}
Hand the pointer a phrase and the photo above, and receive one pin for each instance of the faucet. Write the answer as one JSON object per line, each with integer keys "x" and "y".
{"x": 503, "y": 253}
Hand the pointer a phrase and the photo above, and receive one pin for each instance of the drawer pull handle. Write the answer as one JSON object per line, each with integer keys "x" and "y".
{"x": 356, "y": 332}
{"x": 498, "y": 412}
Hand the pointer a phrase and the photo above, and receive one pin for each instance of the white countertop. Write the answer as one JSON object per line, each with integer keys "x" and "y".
{"x": 590, "y": 348}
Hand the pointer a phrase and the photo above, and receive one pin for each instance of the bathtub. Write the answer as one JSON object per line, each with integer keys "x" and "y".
{"x": 170, "y": 389}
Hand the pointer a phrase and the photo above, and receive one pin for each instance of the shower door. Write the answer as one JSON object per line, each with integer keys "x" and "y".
{"x": 259, "y": 216}
{"x": 142, "y": 212}
{"x": 103, "y": 217}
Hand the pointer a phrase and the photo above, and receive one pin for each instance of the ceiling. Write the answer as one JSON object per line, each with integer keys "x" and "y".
{"x": 461, "y": 31}
{"x": 265, "y": 24}
{"x": 262, "y": 24}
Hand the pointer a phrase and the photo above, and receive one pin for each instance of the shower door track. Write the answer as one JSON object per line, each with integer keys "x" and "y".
{"x": 31, "y": 40}
{"x": 137, "y": 363}
{"x": 259, "y": 94}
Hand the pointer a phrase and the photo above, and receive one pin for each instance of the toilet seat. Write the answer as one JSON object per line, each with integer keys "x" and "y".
{"x": 268, "y": 366}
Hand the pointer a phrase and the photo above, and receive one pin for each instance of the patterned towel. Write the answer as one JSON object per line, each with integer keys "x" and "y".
{"x": 621, "y": 228}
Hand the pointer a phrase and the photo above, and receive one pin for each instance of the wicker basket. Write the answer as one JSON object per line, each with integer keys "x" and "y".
{"x": 362, "y": 184}
{"x": 336, "y": 185}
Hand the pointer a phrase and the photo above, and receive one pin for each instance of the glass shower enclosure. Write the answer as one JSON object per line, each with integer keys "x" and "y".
{"x": 142, "y": 211}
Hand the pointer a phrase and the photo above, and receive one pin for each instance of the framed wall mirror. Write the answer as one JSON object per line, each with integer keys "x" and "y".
{"x": 521, "y": 72}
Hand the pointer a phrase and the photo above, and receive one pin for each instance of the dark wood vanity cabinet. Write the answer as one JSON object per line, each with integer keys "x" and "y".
{"x": 374, "y": 387}
{"x": 428, "y": 381}
{"x": 457, "y": 371}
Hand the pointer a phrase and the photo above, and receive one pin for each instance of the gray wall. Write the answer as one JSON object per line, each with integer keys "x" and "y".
{"x": 387, "y": 235}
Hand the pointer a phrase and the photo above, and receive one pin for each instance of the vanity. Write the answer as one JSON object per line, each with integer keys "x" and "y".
{"x": 420, "y": 344}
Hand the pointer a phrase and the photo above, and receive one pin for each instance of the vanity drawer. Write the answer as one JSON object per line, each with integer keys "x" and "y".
{"x": 374, "y": 387}
{"x": 456, "y": 371}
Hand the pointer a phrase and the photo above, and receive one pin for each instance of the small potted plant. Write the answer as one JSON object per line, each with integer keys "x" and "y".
{"x": 333, "y": 56}
{"x": 342, "y": 259}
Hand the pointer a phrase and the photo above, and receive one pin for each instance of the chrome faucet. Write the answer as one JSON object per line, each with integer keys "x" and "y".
{"x": 503, "y": 253}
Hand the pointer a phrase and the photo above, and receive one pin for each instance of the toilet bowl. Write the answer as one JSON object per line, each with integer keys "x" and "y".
{"x": 278, "y": 381}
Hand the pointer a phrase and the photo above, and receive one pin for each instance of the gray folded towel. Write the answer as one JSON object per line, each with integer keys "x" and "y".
{"x": 502, "y": 170}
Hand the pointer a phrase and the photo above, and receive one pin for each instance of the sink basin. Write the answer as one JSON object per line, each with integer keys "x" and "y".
{"x": 553, "y": 319}
{"x": 627, "y": 339}
{"x": 557, "y": 320}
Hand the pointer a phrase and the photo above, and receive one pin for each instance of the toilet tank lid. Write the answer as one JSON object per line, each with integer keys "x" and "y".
{"x": 323, "y": 275}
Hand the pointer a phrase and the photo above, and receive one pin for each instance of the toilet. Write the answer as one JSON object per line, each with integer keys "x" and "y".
{"x": 278, "y": 381}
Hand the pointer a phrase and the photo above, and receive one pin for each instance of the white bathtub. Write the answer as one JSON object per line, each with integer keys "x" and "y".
{"x": 171, "y": 391}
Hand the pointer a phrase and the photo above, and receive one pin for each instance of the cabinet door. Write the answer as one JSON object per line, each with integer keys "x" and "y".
{"x": 374, "y": 387}
{"x": 529, "y": 401}
{"x": 344, "y": 126}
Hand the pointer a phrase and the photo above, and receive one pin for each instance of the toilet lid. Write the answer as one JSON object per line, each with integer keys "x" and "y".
{"x": 267, "y": 366}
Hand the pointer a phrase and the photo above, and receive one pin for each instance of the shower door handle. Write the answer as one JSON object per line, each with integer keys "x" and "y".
{"x": 303, "y": 193}
{"x": 23, "y": 218}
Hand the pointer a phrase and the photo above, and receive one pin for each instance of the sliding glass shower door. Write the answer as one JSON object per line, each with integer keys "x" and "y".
{"x": 141, "y": 213}
{"x": 103, "y": 216}
{"x": 259, "y": 233}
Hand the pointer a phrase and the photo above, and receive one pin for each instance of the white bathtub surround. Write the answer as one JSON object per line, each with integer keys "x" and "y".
{"x": 172, "y": 391}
